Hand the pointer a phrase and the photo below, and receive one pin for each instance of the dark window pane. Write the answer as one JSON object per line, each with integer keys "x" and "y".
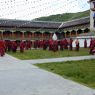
{"x": 94, "y": 4}
{"x": 94, "y": 23}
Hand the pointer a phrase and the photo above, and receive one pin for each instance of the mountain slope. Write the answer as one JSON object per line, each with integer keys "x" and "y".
{"x": 65, "y": 17}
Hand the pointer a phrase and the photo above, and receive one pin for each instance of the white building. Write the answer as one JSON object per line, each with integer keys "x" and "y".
{"x": 92, "y": 15}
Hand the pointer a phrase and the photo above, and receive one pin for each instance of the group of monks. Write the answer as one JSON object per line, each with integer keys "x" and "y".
{"x": 53, "y": 45}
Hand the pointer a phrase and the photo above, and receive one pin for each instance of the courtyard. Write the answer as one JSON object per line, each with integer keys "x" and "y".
{"x": 22, "y": 78}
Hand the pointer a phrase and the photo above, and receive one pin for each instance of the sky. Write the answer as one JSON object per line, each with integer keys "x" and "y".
{"x": 31, "y": 9}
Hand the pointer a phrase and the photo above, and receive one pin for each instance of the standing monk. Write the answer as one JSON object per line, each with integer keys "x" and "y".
{"x": 2, "y": 48}
{"x": 91, "y": 40}
{"x": 65, "y": 44}
{"x": 70, "y": 44}
{"x": 85, "y": 43}
{"x": 14, "y": 46}
{"x": 77, "y": 44}
{"x": 22, "y": 45}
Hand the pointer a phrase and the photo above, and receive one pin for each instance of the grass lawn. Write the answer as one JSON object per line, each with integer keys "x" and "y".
{"x": 40, "y": 54}
{"x": 79, "y": 71}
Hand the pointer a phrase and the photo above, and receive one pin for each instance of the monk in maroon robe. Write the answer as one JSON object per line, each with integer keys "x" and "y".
{"x": 2, "y": 48}
{"x": 70, "y": 44}
{"x": 85, "y": 43}
{"x": 36, "y": 44}
{"x": 77, "y": 45}
{"x": 91, "y": 40}
{"x": 9, "y": 45}
{"x": 61, "y": 45}
{"x": 65, "y": 44}
{"x": 55, "y": 46}
{"x": 29, "y": 45}
{"x": 50, "y": 44}
{"x": 22, "y": 46}
{"x": 91, "y": 49}
{"x": 14, "y": 46}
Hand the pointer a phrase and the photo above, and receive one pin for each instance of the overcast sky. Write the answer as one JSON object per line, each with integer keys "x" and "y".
{"x": 30, "y": 9}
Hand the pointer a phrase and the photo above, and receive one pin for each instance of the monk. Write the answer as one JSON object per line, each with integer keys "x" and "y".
{"x": 22, "y": 46}
{"x": 70, "y": 44}
{"x": 92, "y": 47}
{"x": 55, "y": 46}
{"x": 45, "y": 44}
{"x": 14, "y": 46}
{"x": 85, "y": 43}
{"x": 2, "y": 48}
{"x": 9, "y": 45}
{"x": 36, "y": 44}
{"x": 77, "y": 45}
{"x": 50, "y": 44}
{"x": 61, "y": 44}
{"x": 91, "y": 40}
{"x": 65, "y": 44}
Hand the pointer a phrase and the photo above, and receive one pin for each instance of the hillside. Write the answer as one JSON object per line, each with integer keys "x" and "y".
{"x": 65, "y": 17}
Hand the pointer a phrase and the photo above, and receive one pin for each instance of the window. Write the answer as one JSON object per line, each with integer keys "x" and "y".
{"x": 94, "y": 4}
{"x": 94, "y": 19}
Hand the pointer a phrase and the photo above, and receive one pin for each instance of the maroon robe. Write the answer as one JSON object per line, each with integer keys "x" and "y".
{"x": 22, "y": 46}
{"x": 91, "y": 42}
{"x": 70, "y": 44}
{"x": 85, "y": 43}
{"x": 77, "y": 45}
{"x": 2, "y": 48}
{"x": 14, "y": 46}
{"x": 55, "y": 46}
{"x": 65, "y": 44}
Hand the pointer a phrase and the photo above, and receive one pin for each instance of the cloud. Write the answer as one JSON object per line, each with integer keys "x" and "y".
{"x": 30, "y": 9}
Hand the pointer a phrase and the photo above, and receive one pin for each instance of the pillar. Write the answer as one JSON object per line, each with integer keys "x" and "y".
{"x": 76, "y": 34}
{"x": 65, "y": 34}
{"x": 30, "y": 36}
{"x": 70, "y": 34}
{"x": 13, "y": 35}
{"x": 2, "y": 34}
{"x": 92, "y": 15}
{"x": 50, "y": 35}
{"x": 42, "y": 36}
{"x": 33, "y": 34}
{"x": 22, "y": 35}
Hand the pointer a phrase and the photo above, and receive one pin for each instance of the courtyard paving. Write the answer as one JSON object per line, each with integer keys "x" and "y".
{"x": 22, "y": 78}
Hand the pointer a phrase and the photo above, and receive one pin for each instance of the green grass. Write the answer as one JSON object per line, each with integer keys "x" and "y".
{"x": 79, "y": 71}
{"x": 65, "y": 17}
{"x": 41, "y": 54}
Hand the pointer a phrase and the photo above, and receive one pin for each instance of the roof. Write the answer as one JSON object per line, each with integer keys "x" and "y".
{"x": 91, "y": 0}
{"x": 42, "y": 24}
{"x": 76, "y": 22}
{"x": 28, "y": 24}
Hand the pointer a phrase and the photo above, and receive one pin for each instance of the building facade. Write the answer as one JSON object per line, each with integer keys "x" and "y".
{"x": 92, "y": 15}
{"x": 42, "y": 30}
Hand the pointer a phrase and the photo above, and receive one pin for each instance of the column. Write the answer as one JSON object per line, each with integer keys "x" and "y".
{"x": 65, "y": 34}
{"x": 33, "y": 34}
{"x": 42, "y": 36}
{"x": 22, "y": 35}
{"x": 76, "y": 33}
{"x": 30, "y": 36}
{"x": 2, "y": 34}
{"x": 70, "y": 34}
{"x": 50, "y": 35}
{"x": 13, "y": 36}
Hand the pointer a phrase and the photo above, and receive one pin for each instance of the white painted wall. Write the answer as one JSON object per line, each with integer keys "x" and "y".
{"x": 92, "y": 28}
{"x": 81, "y": 40}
